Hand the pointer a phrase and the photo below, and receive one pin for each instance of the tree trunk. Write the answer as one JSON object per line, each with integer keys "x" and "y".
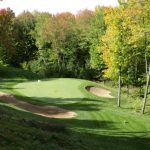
{"x": 58, "y": 61}
{"x": 146, "y": 66}
{"x": 119, "y": 87}
{"x": 128, "y": 83}
{"x": 145, "y": 43}
{"x": 146, "y": 91}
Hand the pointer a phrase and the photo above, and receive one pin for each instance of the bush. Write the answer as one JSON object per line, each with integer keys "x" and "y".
{"x": 10, "y": 72}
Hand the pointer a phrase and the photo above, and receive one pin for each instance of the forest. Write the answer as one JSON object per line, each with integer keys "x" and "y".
{"x": 91, "y": 44}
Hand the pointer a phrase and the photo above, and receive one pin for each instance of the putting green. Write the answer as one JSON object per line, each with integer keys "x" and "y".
{"x": 66, "y": 90}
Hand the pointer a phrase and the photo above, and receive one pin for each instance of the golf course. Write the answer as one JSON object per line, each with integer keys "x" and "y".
{"x": 75, "y": 75}
{"x": 71, "y": 117}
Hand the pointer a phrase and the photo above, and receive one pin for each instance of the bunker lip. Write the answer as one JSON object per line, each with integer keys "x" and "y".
{"x": 47, "y": 111}
{"x": 99, "y": 91}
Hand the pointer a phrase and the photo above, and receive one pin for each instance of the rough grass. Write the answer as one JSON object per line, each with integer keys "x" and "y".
{"x": 99, "y": 125}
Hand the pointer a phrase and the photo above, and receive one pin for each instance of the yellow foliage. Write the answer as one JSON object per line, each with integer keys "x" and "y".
{"x": 124, "y": 29}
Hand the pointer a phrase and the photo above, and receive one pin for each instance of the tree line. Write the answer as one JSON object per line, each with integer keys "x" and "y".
{"x": 100, "y": 44}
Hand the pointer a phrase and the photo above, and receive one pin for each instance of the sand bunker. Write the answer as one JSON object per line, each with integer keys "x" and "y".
{"x": 48, "y": 111}
{"x": 99, "y": 92}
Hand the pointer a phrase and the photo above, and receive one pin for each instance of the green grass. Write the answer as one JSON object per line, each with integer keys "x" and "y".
{"x": 99, "y": 125}
{"x": 53, "y": 88}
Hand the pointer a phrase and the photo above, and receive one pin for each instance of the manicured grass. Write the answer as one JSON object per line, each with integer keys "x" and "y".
{"x": 53, "y": 88}
{"x": 99, "y": 125}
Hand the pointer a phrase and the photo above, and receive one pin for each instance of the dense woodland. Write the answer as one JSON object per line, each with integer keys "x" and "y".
{"x": 97, "y": 45}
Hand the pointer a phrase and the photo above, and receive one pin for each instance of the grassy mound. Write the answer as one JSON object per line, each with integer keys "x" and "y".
{"x": 65, "y": 90}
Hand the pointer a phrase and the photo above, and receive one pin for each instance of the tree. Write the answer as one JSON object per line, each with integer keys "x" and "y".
{"x": 25, "y": 43}
{"x": 84, "y": 27}
{"x": 115, "y": 46}
{"x": 57, "y": 36}
{"x": 7, "y": 43}
{"x": 97, "y": 31}
{"x": 145, "y": 9}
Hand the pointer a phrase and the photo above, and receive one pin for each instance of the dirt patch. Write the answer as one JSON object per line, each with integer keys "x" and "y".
{"x": 48, "y": 111}
{"x": 99, "y": 92}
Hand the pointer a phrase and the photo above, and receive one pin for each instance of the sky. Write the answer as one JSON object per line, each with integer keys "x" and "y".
{"x": 54, "y": 6}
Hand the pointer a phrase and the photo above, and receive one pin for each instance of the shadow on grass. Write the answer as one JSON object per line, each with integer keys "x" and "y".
{"x": 22, "y": 130}
{"x": 83, "y": 104}
{"x": 5, "y": 87}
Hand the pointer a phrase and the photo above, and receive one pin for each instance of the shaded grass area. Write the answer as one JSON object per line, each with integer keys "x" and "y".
{"x": 22, "y": 130}
{"x": 99, "y": 125}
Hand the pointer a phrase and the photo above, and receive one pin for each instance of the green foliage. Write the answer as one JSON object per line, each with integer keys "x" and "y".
{"x": 64, "y": 45}
{"x": 10, "y": 72}
{"x": 124, "y": 41}
{"x": 25, "y": 43}
{"x": 98, "y": 30}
